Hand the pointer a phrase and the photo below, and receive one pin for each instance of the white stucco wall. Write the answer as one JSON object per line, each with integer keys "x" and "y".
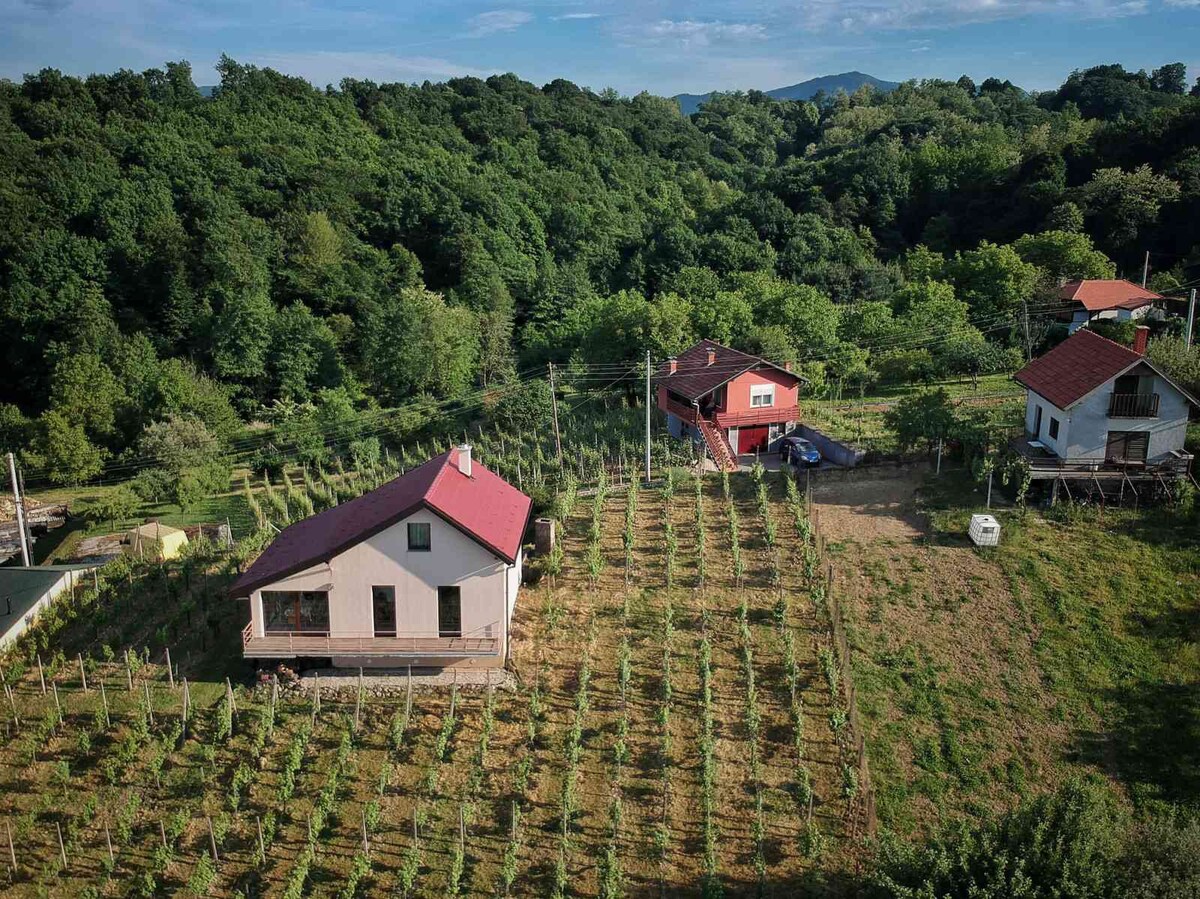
{"x": 1083, "y": 429}
{"x": 487, "y": 583}
{"x": 1090, "y": 423}
{"x": 1049, "y": 410}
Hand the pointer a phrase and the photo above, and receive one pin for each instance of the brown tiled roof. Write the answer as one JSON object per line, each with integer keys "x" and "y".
{"x": 1076, "y": 367}
{"x": 694, "y": 377}
{"x": 484, "y": 506}
{"x": 1098, "y": 295}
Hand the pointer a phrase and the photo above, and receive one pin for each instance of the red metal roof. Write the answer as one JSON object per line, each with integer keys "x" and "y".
{"x": 1076, "y": 367}
{"x": 1097, "y": 295}
{"x": 694, "y": 377}
{"x": 484, "y": 506}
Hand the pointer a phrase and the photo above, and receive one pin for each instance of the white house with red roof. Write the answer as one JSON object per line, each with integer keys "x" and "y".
{"x": 1096, "y": 406}
{"x": 1114, "y": 298}
{"x": 422, "y": 571}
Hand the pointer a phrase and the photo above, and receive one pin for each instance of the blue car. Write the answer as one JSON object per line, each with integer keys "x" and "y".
{"x": 799, "y": 452}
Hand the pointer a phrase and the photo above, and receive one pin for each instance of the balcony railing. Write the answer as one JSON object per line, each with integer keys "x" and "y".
{"x": 680, "y": 411}
{"x": 482, "y": 641}
{"x": 764, "y": 415}
{"x": 1133, "y": 405}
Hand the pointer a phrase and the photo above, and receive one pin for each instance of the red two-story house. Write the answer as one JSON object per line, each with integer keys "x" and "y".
{"x": 734, "y": 402}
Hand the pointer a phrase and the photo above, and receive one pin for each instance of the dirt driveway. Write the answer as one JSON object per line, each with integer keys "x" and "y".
{"x": 958, "y": 717}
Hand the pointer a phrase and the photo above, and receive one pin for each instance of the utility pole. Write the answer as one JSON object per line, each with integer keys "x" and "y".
{"x": 1191, "y": 318}
{"x": 554, "y": 406}
{"x": 20, "y": 508}
{"x": 1145, "y": 270}
{"x": 1028, "y": 344}
{"x": 647, "y": 416}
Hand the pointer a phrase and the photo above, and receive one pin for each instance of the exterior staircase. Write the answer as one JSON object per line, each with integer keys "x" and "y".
{"x": 718, "y": 447}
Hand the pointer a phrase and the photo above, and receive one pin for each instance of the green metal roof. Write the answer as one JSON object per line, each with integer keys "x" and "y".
{"x": 21, "y": 588}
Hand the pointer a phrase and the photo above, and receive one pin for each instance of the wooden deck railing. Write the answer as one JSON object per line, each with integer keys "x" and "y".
{"x": 483, "y": 641}
{"x": 764, "y": 415}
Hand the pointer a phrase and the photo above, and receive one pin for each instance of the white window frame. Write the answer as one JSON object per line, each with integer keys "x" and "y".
{"x": 762, "y": 395}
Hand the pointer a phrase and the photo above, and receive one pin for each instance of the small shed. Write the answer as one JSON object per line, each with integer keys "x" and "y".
{"x": 154, "y": 540}
{"x": 26, "y": 591}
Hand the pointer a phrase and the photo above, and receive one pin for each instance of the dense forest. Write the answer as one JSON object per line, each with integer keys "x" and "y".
{"x": 176, "y": 262}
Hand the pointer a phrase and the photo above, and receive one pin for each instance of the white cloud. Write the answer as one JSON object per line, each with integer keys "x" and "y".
{"x": 595, "y": 15}
{"x": 863, "y": 15}
{"x": 1183, "y": 4}
{"x": 497, "y": 21}
{"x": 323, "y": 67}
{"x": 691, "y": 33}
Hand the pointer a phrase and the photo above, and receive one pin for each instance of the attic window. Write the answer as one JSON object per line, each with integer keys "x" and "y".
{"x": 762, "y": 395}
{"x": 418, "y": 536}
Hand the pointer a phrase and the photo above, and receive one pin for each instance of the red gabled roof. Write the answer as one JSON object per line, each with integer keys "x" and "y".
{"x": 1076, "y": 367}
{"x": 694, "y": 377}
{"x": 1098, "y": 295}
{"x": 484, "y": 506}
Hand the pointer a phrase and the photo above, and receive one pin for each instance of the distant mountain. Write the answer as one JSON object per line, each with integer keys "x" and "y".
{"x": 805, "y": 90}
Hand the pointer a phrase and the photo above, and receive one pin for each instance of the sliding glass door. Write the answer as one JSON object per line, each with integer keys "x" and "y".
{"x": 296, "y": 611}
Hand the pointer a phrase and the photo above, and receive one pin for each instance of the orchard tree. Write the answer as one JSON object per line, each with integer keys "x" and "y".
{"x": 993, "y": 280}
{"x": 62, "y": 452}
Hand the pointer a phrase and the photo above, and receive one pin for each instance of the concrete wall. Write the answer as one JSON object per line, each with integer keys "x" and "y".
{"x": 488, "y": 584}
{"x": 832, "y": 450}
{"x": 1090, "y": 424}
{"x": 737, "y": 391}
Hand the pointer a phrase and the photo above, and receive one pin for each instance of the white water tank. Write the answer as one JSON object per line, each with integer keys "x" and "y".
{"x": 985, "y": 530}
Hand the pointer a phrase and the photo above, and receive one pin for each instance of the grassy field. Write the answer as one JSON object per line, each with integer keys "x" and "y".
{"x": 985, "y": 675}
{"x": 860, "y": 420}
{"x": 670, "y": 717}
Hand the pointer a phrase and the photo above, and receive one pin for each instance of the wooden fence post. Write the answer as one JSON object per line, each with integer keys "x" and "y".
{"x": 128, "y": 672}
{"x": 262, "y": 846}
{"x": 62, "y": 848}
{"x": 41, "y": 674}
{"x": 108, "y": 840}
{"x": 170, "y": 670}
{"x": 212, "y": 839}
{"x": 12, "y": 852}
{"x": 82, "y": 673}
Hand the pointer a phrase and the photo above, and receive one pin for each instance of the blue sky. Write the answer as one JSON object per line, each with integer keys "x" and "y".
{"x": 659, "y": 45}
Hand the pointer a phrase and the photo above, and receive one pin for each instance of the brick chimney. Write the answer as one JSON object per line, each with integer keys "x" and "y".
{"x": 464, "y": 459}
{"x": 1139, "y": 339}
{"x": 674, "y": 363}
{"x": 712, "y": 355}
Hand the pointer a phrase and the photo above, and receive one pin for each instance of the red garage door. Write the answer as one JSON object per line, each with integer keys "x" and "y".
{"x": 751, "y": 439}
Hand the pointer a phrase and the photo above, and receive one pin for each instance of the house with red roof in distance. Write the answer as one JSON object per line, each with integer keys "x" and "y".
{"x": 733, "y": 402}
{"x": 1098, "y": 410}
{"x": 422, "y": 571}
{"x": 1116, "y": 299}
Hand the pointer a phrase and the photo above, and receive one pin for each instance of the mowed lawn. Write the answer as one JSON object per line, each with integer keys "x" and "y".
{"x": 985, "y": 675}
{"x": 437, "y": 787}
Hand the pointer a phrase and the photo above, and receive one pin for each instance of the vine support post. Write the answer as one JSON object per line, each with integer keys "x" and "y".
{"x": 12, "y": 852}
{"x": 212, "y": 841}
{"x": 41, "y": 674}
{"x": 104, "y": 701}
{"x": 82, "y": 673}
{"x": 62, "y": 847}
